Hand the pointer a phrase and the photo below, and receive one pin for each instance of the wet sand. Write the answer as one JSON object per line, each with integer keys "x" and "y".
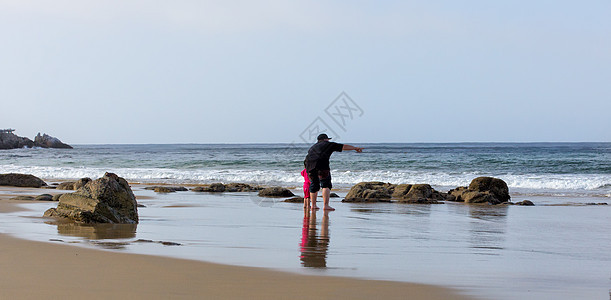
{"x": 35, "y": 270}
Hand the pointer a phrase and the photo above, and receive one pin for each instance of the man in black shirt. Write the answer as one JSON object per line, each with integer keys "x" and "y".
{"x": 317, "y": 166}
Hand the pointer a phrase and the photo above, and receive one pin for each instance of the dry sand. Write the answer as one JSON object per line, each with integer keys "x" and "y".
{"x": 37, "y": 270}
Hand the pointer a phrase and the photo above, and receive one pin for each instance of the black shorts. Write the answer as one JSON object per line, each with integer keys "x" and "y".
{"x": 318, "y": 179}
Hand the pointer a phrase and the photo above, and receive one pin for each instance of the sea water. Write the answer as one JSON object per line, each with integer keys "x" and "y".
{"x": 537, "y": 168}
{"x": 557, "y": 249}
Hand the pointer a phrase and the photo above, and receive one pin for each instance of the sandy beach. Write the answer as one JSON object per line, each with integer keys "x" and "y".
{"x": 35, "y": 270}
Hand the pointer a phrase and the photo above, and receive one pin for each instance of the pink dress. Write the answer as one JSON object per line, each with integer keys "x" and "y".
{"x": 306, "y": 184}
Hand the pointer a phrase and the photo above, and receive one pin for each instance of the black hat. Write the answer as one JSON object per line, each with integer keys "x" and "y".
{"x": 323, "y": 136}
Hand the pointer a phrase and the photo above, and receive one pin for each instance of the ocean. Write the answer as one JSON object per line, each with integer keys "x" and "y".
{"x": 574, "y": 169}
{"x": 557, "y": 249}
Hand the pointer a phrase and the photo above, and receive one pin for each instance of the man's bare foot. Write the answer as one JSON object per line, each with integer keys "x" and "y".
{"x": 314, "y": 207}
{"x": 329, "y": 208}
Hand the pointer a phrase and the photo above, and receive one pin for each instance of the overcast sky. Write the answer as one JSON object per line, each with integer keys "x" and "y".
{"x": 269, "y": 71}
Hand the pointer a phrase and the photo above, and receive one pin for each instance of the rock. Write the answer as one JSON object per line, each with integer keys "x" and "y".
{"x": 422, "y": 194}
{"x": 73, "y": 185}
{"x": 8, "y": 140}
{"x": 275, "y": 192}
{"x": 23, "y": 198}
{"x": 56, "y": 197}
{"x": 81, "y": 182}
{"x": 401, "y": 190}
{"x": 163, "y": 189}
{"x": 166, "y": 189}
{"x": 44, "y": 197}
{"x": 385, "y": 192}
{"x": 497, "y": 187}
{"x": 370, "y": 192}
{"x": 68, "y": 185}
{"x": 525, "y": 203}
{"x": 294, "y": 200}
{"x": 456, "y": 194}
{"x": 21, "y": 180}
{"x": 230, "y": 187}
{"x": 241, "y": 187}
{"x": 47, "y": 141}
{"x": 210, "y": 188}
{"x": 481, "y": 190}
{"x": 108, "y": 199}
{"x": 333, "y": 195}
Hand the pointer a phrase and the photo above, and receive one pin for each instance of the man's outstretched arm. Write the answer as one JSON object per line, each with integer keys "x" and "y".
{"x": 347, "y": 147}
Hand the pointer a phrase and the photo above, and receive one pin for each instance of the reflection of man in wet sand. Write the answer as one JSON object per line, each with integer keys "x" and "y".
{"x": 314, "y": 247}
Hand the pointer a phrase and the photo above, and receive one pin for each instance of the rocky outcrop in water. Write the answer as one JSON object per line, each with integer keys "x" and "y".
{"x": 21, "y": 180}
{"x": 9, "y": 140}
{"x": 47, "y": 141}
{"x": 105, "y": 200}
{"x": 481, "y": 190}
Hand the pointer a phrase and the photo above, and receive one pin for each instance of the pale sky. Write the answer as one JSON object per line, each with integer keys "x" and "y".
{"x": 264, "y": 71}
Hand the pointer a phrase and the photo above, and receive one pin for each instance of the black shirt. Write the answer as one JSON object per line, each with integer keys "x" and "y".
{"x": 319, "y": 154}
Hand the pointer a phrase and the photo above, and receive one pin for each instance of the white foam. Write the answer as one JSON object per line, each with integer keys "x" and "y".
{"x": 340, "y": 177}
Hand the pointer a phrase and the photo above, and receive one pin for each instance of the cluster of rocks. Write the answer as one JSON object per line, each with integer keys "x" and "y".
{"x": 9, "y": 140}
{"x": 108, "y": 199}
{"x": 487, "y": 190}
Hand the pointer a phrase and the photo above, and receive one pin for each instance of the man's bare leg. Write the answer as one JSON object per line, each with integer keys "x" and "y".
{"x": 313, "y": 200}
{"x": 326, "y": 194}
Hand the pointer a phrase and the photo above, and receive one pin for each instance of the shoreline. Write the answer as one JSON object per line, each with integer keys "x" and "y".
{"x": 34, "y": 270}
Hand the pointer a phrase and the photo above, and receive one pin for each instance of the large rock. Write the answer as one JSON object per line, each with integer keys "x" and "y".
{"x": 374, "y": 191}
{"x": 47, "y": 141}
{"x": 497, "y": 187}
{"x": 275, "y": 192}
{"x": 481, "y": 190}
{"x": 386, "y": 192}
{"x": 105, "y": 200}
{"x": 21, "y": 180}
{"x": 8, "y": 140}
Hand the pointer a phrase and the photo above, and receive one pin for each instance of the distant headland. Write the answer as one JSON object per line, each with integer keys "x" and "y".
{"x": 9, "y": 140}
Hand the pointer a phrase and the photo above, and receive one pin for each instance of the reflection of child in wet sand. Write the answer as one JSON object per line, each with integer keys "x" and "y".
{"x": 306, "y": 189}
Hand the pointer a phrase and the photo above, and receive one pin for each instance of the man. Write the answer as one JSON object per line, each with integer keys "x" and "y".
{"x": 319, "y": 172}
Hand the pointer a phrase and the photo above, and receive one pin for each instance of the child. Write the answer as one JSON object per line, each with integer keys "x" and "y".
{"x": 306, "y": 188}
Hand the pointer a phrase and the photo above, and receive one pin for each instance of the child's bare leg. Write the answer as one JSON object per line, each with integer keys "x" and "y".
{"x": 306, "y": 202}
